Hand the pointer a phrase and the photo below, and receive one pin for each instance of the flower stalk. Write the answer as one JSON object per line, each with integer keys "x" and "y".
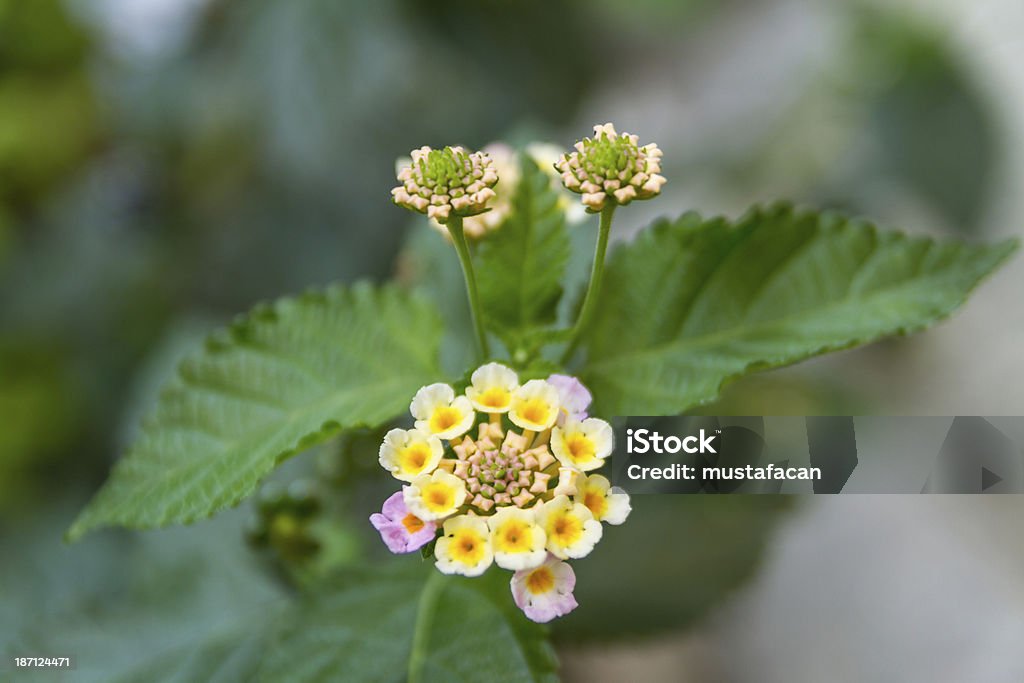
{"x": 594, "y": 288}
{"x": 462, "y": 249}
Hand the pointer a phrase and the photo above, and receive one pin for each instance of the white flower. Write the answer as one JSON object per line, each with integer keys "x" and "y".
{"x": 408, "y": 454}
{"x": 516, "y": 539}
{"x": 570, "y": 528}
{"x": 607, "y": 504}
{"x": 492, "y": 388}
{"x": 534, "y": 406}
{"x": 582, "y": 445}
{"x": 434, "y": 496}
{"x": 439, "y": 412}
{"x": 465, "y": 547}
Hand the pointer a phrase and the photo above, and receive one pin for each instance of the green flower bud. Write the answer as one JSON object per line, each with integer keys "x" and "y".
{"x": 611, "y": 167}
{"x": 446, "y": 182}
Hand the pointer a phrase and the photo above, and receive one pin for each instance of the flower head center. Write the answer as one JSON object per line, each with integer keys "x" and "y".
{"x": 439, "y": 497}
{"x": 415, "y": 457}
{"x": 535, "y": 410}
{"x": 444, "y": 418}
{"x": 580, "y": 448}
{"x": 540, "y": 581}
{"x": 495, "y": 397}
{"x": 515, "y": 536}
{"x": 412, "y": 523}
{"x": 596, "y": 503}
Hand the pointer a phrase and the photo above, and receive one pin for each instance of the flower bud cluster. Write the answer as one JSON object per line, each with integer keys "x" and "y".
{"x": 612, "y": 168}
{"x": 446, "y": 182}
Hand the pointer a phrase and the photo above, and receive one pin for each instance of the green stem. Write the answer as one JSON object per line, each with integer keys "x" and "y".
{"x": 596, "y": 274}
{"x": 462, "y": 249}
{"x": 429, "y": 598}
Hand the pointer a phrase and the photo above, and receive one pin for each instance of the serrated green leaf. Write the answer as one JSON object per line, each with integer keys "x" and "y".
{"x": 693, "y": 304}
{"x": 283, "y": 378}
{"x": 362, "y": 630}
{"x": 520, "y": 267}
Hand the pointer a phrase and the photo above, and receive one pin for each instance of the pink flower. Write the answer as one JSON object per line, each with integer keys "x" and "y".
{"x": 545, "y": 592}
{"x": 573, "y": 396}
{"x": 402, "y": 531}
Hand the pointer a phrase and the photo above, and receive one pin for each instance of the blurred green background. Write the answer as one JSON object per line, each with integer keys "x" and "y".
{"x": 165, "y": 164}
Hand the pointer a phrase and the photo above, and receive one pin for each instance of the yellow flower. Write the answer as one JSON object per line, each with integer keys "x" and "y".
{"x": 570, "y": 528}
{"x": 465, "y": 547}
{"x": 408, "y": 454}
{"x": 607, "y": 504}
{"x": 582, "y": 445}
{"x": 435, "y": 496}
{"x": 517, "y": 541}
{"x": 439, "y": 412}
{"x": 534, "y": 406}
{"x": 492, "y": 387}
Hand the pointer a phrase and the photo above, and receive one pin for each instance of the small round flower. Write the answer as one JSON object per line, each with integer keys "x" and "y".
{"x": 401, "y": 530}
{"x": 582, "y": 445}
{"x": 465, "y": 547}
{"x": 516, "y": 539}
{"x": 611, "y": 168}
{"x": 410, "y": 453}
{"x": 608, "y": 504}
{"x": 545, "y": 592}
{"x": 570, "y": 528}
{"x": 534, "y": 406}
{"x": 491, "y": 388}
{"x": 439, "y": 412}
{"x": 573, "y": 397}
{"x": 446, "y": 182}
{"x": 434, "y": 496}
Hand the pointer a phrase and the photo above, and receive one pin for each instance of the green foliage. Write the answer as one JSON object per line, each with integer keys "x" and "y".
{"x": 283, "y": 378}
{"x": 520, "y": 266}
{"x": 693, "y": 304}
{"x": 362, "y": 629}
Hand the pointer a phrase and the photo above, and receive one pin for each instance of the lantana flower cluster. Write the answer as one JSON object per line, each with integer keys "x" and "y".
{"x": 503, "y": 474}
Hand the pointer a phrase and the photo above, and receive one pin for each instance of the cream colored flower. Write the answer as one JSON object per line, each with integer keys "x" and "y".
{"x": 434, "y": 496}
{"x": 408, "y": 454}
{"x": 465, "y": 546}
{"x": 570, "y": 528}
{"x": 491, "y": 388}
{"x": 516, "y": 539}
{"x": 582, "y": 445}
{"x": 439, "y": 412}
{"x": 534, "y": 406}
{"x": 607, "y": 504}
